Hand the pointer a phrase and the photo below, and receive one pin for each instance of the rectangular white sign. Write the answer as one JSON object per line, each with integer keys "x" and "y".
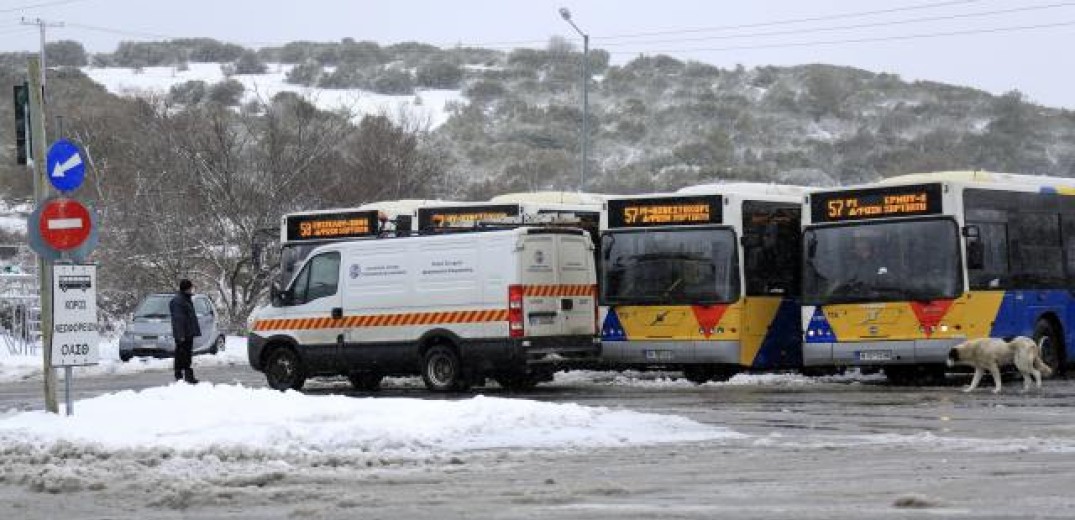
{"x": 74, "y": 315}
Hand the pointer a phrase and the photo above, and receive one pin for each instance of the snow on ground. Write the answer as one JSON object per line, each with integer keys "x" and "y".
{"x": 202, "y": 417}
{"x": 19, "y": 367}
{"x": 659, "y": 380}
{"x": 428, "y": 105}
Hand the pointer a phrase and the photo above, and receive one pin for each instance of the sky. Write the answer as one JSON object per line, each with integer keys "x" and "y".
{"x": 1001, "y": 45}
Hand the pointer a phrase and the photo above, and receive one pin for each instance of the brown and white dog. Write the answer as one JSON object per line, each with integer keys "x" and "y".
{"x": 991, "y": 354}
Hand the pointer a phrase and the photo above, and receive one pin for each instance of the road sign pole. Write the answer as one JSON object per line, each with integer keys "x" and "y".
{"x": 44, "y": 267}
{"x": 67, "y": 373}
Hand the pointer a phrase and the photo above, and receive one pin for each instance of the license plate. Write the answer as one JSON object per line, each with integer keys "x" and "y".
{"x": 149, "y": 346}
{"x": 542, "y": 320}
{"x": 659, "y": 355}
{"x": 875, "y": 355}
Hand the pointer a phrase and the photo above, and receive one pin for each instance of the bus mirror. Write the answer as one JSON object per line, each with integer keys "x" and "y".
{"x": 975, "y": 255}
{"x": 971, "y": 231}
{"x": 606, "y": 246}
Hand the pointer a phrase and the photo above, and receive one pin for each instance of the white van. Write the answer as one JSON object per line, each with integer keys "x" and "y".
{"x": 514, "y": 305}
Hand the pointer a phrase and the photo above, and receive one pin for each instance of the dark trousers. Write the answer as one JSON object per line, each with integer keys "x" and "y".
{"x": 184, "y": 352}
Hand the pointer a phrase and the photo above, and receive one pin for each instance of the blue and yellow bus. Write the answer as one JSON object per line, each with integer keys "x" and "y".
{"x": 704, "y": 280}
{"x": 896, "y": 273}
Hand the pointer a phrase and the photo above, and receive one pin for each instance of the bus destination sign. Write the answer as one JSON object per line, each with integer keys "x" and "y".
{"x": 665, "y": 211}
{"x": 332, "y": 226}
{"x": 874, "y": 203}
{"x": 455, "y": 216}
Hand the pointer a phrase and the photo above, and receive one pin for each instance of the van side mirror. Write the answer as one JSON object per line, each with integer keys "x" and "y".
{"x": 975, "y": 254}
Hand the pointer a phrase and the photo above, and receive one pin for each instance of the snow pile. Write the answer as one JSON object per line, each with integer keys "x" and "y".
{"x": 431, "y": 105}
{"x": 17, "y": 367}
{"x": 214, "y": 417}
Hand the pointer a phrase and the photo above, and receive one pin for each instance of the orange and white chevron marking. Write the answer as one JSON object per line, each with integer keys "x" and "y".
{"x": 559, "y": 290}
{"x": 383, "y": 320}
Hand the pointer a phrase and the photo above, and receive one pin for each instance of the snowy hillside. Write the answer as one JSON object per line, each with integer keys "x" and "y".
{"x": 431, "y": 105}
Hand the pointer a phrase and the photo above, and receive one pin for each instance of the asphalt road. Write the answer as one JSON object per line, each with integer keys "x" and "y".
{"x": 826, "y": 449}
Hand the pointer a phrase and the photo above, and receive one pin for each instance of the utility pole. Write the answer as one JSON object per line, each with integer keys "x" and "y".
{"x": 42, "y": 25}
{"x": 566, "y": 15}
{"x": 41, "y": 188}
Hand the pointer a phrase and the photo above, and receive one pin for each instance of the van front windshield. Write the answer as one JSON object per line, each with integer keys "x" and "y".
{"x": 669, "y": 266}
{"x": 891, "y": 261}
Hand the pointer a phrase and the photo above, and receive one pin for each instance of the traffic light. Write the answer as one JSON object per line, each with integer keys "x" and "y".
{"x": 22, "y": 123}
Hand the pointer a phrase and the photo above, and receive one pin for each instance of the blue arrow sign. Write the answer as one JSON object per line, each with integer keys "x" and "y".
{"x": 65, "y": 167}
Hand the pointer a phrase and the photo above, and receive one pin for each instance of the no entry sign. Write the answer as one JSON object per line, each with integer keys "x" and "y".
{"x": 64, "y": 224}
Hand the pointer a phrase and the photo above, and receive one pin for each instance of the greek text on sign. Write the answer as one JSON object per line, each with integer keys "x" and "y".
{"x": 74, "y": 316}
{"x": 334, "y": 228}
{"x": 665, "y": 211}
{"x": 870, "y": 203}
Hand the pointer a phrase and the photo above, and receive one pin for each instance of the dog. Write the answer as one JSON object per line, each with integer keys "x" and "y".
{"x": 992, "y": 353}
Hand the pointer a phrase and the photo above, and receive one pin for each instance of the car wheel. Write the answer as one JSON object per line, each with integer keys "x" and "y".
{"x": 1052, "y": 350}
{"x": 365, "y": 381}
{"x": 284, "y": 370}
{"x": 442, "y": 370}
{"x": 124, "y": 357}
{"x": 218, "y": 346}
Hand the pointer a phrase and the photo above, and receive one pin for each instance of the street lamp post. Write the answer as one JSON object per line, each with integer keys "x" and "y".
{"x": 566, "y": 15}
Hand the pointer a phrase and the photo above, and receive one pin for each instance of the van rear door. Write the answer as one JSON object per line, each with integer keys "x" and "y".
{"x": 558, "y": 277}
{"x": 577, "y": 281}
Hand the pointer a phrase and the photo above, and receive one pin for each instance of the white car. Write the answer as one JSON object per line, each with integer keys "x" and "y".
{"x": 149, "y": 331}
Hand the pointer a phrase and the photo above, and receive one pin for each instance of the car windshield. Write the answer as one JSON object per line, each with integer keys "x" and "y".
{"x": 670, "y": 266}
{"x": 892, "y": 261}
{"x": 154, "y": 307}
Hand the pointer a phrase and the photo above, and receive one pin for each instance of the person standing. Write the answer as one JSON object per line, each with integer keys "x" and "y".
{"x": 184, "y": 329}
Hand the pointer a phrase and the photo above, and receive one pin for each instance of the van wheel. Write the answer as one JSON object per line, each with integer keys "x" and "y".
{"x": 365, "y": 381}
{"x": 442, "y": 370}
{"x": 218, "y": 346}
{"x": 1052, "y": 351}
{"x": 284, "y": 370}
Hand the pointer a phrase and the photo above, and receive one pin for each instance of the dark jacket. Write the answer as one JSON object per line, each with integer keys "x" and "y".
{"x": 184, "y": 319}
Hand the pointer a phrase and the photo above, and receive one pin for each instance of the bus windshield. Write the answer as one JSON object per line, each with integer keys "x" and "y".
{"x": 291, "y": 258}
{"x": 877, "y": 262}
{"x": 670, "y": 266}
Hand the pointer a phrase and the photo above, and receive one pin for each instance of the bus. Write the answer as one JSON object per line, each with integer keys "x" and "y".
{"x": 578, "y": 209}
{"x": 704, "y": 280}
{"x": 302, "y": 231}
{"x": 897, "y": 272}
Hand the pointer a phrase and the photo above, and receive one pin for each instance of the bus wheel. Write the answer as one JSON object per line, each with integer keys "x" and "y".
{"x": 365, "y": 381}
{"x": 899, "y": 375}
{"x": 1052, "y": 350}
{"x": 284, "y": 370}
{"x": 442, "y": 370}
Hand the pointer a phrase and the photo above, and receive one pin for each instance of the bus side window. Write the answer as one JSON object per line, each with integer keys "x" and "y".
{"x": 1037, "y": 254}
{"x": 993, "y": 270}
{"x": 1069, "y": 247}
